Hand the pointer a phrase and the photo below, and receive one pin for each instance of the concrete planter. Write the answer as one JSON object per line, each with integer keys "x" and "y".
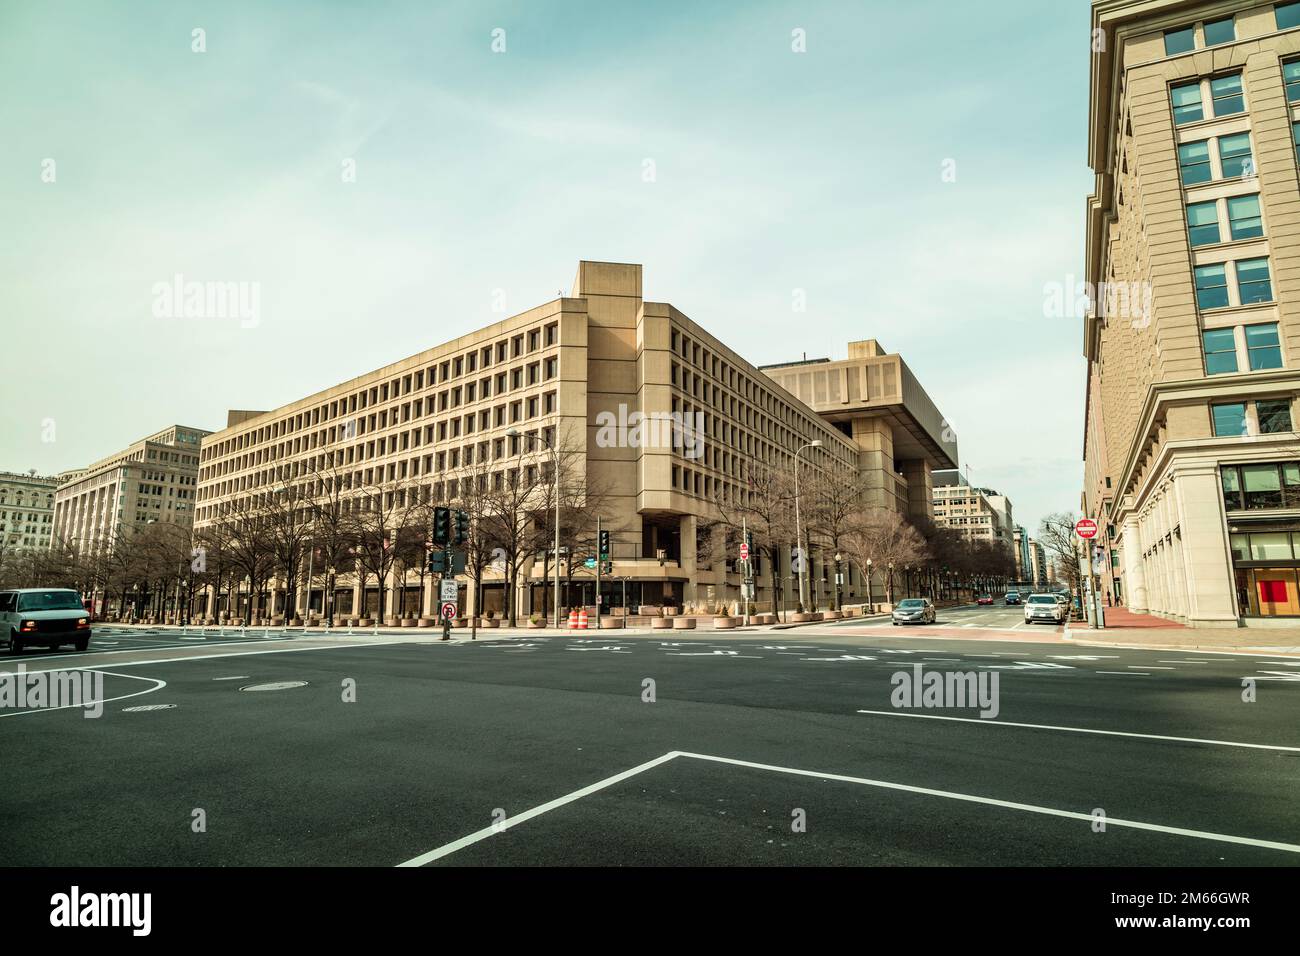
{"x": 489, "y": 622}
{"x": 802, "y": 617}
{"x": 726, "y": 623}
{"x": 536, "y": 625}
{"x": 671, "y": 611}
{"x": 661, "y": 623}
{"x": 606, "y": 623}
{"x": 831, "y": 615}
{"x": 408, "y": 622}
{"x": 392, "y": 622}
{"x": 426, "y": 622}
{"x": 460, "y": 622}
{"x": 313, "y": 622}
{"x": 364, "y": 622}
{"x": 683, "y": 623}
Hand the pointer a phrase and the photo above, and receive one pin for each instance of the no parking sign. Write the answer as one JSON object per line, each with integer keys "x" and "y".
{"x": 448, "y": 610}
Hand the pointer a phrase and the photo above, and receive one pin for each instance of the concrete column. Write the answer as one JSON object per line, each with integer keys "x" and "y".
{"x": 687, "y": 526}
{"x": 1206, "y": 565}
{"x": 1135, "y": 585}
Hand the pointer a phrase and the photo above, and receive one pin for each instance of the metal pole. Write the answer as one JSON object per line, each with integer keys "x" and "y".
{"x": 598, "y": 569}
{"x": 311, "y": 565}
{"x": 798, "y": 535}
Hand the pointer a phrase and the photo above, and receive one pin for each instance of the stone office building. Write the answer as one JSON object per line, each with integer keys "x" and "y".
{"x": 563, "y": 372}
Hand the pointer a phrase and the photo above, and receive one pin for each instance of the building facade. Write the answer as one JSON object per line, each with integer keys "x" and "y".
{"x": 561, "y": 373}
{"x": 980, "y": 514}
{"x": 152, "y": 480}
{"x": 1193, "y": 334}
{"x": 26, "y": 512}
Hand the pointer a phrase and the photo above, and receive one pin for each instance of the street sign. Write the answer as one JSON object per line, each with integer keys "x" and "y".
{"x": 449, "y": 610}
{"x": 449, "y": 591}
{"x": 589, "y": 563}
{"x": 1086, "y": 528}
{"x": 744, "y": 552}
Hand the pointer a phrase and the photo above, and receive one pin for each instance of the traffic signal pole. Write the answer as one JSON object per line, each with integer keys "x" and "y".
{"x": 600, "y": 560}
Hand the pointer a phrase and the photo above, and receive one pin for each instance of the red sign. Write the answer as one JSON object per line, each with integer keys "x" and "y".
{"x": 1086, "y": 528}
{"x": 449, "y": 611}
{"x": 744, "y": 552}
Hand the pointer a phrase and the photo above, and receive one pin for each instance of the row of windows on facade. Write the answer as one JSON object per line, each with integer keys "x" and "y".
{"x": 739, "y": 383}
{"x": 18, "y": 516}
{"x": 1208, "y": 33}
{"x": 376, "y": 394}
{"x": 451, "y": 429}
{"x": 1259, "y": 417}
{"x": 400, "y": 471}
{"x": 700, "y": 485}
{"x": 1262, "y": 486}
{"x": 734, "y": 407}
{"x": 744, "y": 443}
{"x": 1242, "y": 347}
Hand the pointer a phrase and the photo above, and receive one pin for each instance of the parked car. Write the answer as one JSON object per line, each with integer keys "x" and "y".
{"x": 1013, "y": 597}
{"x": 49, "y": 617}
{"x": 984, "y": 599}
{"x": 1044, "y": 607}
{"x": 913, "y": 611}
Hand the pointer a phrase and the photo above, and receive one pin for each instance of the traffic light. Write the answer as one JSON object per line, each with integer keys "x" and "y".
{"x": 462, "y": 527}
{"x": 604, "y": 545}
{"x": 609, "y": 567}
{"x": 441, "y": 525}
{"x": 749, "y": 540}
{"x": 437, "y": 562}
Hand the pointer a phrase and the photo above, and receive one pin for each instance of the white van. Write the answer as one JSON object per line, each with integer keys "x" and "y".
{"x": 49, "y": 617}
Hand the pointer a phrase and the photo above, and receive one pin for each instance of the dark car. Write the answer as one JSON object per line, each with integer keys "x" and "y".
{"x": 48, "y": 617}
{"x": 1013, "y": 597}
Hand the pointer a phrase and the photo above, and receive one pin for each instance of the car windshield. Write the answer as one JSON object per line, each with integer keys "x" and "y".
{"x": 1042, "y": 599}
{"x": 50, "y": 601}
{"x": 911, "y": 602}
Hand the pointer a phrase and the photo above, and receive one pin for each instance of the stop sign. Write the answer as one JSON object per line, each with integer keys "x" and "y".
{"x": 1086, "y": 528}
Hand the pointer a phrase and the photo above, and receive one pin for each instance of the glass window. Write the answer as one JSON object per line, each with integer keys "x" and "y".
{"x": 1220, "y": 351}
{"x": 1203, "y": 223}
{"x": 1263, "y": 347}
{"x": 1291, "y": 77}
{"x": 1234, "y": 156}
{"x": 1244, "y": 221}
{"x": 1261, "y": 485}
{"x": 1274, "y": 417}
{"x": 1194, "y": 161}
{"x": 1231, "y": 489}
{"x": 1211, "y": 287}
{"x": 1270, "y": 546}
{"x": 1288, "y": 15}
{"x": 1220, "y": 31}
{"x": 1180, "y": 41}
{"x": 1225, "y": 91}
{"x": 1187, "y": 103}
{"x": 1229, "y": 420}
{"x": 1240, "y": 546}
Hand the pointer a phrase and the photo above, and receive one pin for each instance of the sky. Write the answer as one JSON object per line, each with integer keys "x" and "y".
{"x": 388, "y": 176}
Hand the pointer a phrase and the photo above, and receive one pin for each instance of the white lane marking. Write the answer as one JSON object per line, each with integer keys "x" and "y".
{"x": 236, "y": 677}
{"x": 157, "y": 685}
{"x": 1181, "y": 662}
{"x": 537, "y": 811}
{"x": 1154, "y": 668}
{"x": 1008, "y": 804}
{"x": 213, "y": 657}
{"x": 1125, "y": 673}
{"x": 1085, "y": 730}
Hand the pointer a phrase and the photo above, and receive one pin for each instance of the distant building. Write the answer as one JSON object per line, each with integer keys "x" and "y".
{"x": 154, "y": 479}
{"x": 980, "y": 514}
{"x": 26, "y": 512}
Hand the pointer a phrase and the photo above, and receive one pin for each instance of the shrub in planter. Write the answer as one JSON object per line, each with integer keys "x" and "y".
{"x": 661, "y": 623}
{"x": 536, "y": 621}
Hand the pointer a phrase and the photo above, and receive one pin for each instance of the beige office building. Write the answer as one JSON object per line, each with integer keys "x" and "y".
{"x": 26, "y": 512}
{"x": 1193, "y": 343}
{"x": 565, "y": 371}
{"x": 152, "y": 480}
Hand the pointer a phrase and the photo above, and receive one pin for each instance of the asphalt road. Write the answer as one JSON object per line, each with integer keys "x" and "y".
{"x": 779, "y": 749}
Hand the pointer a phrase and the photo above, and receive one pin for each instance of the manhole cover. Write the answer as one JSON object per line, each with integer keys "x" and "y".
{"x": 136, "y": 710}
{"x": 276, "y": 685}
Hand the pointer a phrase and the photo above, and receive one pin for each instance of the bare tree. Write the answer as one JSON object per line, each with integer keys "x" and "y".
{"x": 886, "y": 542}
{"x": 766, "y": 508}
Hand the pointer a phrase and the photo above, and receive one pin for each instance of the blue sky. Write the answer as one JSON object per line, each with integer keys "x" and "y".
{"x": 479, "y": 171}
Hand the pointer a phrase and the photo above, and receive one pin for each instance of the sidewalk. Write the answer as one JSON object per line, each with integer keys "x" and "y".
{"x": 1239, "y": 639}
{"x": 1122, "y": 617}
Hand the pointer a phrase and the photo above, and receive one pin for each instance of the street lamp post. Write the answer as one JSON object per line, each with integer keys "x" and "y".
{"x": 798, "y": 530}
{"x": 516, "y": 433}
